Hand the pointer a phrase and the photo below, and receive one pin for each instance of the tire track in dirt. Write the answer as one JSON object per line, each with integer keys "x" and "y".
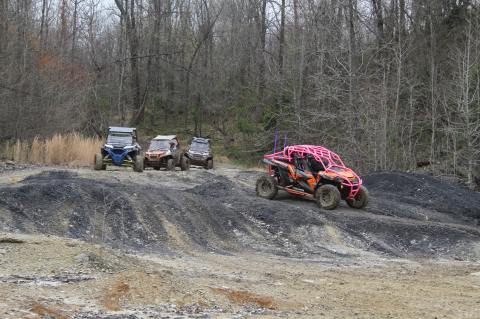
{"x": 218, "y": 211}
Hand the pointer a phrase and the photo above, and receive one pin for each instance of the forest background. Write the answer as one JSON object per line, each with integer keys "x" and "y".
{"x": 387, "y": 84}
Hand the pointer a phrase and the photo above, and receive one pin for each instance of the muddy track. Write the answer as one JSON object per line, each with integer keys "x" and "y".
{"x": 171, "y": 212}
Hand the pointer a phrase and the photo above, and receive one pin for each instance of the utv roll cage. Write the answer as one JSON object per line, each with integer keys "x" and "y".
{"x": 330, "y": 161}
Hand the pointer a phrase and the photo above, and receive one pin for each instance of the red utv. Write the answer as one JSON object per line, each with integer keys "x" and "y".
{"x": 165, "y": 151}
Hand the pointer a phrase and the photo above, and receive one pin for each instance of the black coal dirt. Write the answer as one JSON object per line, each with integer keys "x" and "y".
{"x": 409, "y": 215}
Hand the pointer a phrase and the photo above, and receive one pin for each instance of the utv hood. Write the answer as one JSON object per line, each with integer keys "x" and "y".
{"x": 198, "y": 153}
{"x": 158, "y": 153}
{"x": 343, "y": 173}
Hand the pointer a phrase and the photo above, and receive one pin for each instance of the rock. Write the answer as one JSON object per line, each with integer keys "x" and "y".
{"x": 82, "y": 258}
{"x": 10, "y": 240}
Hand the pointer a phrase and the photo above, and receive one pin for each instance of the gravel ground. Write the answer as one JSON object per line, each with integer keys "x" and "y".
{"x": 77, "y": 243}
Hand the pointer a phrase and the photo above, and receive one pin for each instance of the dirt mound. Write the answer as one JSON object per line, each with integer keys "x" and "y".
{"x": 211, "y": 216}
{"x": 61, "y": 203}
{"x": 222, "y": 214}
{"x": 423, "y": 197}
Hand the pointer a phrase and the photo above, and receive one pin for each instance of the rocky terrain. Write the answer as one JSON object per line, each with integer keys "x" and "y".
{"x": 78, "y": 243}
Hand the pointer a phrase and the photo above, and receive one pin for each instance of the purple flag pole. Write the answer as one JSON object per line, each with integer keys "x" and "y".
{"x": 275, "y": 142}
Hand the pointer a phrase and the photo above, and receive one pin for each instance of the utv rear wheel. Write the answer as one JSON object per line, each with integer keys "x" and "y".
{"x": 266, "y": 187}
{"x": 360, "y": 200}
{"x": 185, "y": 163}
{"x": 327, "y": 196}
{"x": 138, "y": 164}
{"x": 209, "y": 164}
{"x": 98, "y": 162}
{"x": 170, "y": 164}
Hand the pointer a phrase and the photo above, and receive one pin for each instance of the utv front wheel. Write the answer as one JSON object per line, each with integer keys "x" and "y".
{"x": 266, "y": 187}
{"x": 185, "y": 163}
{"x": 209, "y": 164}
{"x": 360, "y": 200}
{"x": 170, "y": 164}
{"x": 138, "y": 164}
{"x": 98, "y": 162}
{"x": 327, "y": 196}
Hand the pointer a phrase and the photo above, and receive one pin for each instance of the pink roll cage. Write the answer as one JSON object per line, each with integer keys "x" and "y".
{"x": 331, "y": 162}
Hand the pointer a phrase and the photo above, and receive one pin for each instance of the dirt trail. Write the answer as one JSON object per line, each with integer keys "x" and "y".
{"x": 200, "y": 244}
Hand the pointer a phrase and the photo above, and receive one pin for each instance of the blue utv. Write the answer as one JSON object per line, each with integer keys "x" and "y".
{"x": 121, "y": 149}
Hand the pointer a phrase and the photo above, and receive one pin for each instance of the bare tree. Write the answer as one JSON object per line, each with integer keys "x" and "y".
{"x": 392, "y": 84}
{"x": 127, "y": 12}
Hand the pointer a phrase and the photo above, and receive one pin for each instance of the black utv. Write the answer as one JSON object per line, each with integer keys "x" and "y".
{"x": 199, "y": 152}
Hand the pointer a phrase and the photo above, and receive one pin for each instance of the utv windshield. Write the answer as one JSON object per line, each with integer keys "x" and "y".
{"x": 332, "y": 162}
{"x": 199, "y": 147}
{"x": 119, "y": 139}
{"x": 324, "y": 163}
{"x": 160, "y": 145}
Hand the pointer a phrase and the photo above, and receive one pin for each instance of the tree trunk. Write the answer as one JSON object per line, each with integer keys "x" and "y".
{"x": 402, "y": 13}
{"x": 127, "y": 12}
{"x": 74, "y": 30}
{"x": 3, "y": 23}
{"x": 63, "y": 25}
{"x": 378, "y": 11}
{"x": 352, "y": 52}
{"x": 351, "y": 27}
{"x": 433, "y": 114}
{"x": 261, "y": 66}
{"x": 281, "y": 57}
{"x": 138, "y": 107}
{"x": 352, "y": 77}
{"x": 43, "y": 20}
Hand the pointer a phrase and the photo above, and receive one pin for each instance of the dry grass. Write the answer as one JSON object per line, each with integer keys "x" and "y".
{"x": 222, "y": 159}
{"x": 70, "y": 149}
{"x": 244, "y": 297}
{"x": 47, "y": 312}
{"x": 113, "y": 299}
{"x": 132, "y": 287}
